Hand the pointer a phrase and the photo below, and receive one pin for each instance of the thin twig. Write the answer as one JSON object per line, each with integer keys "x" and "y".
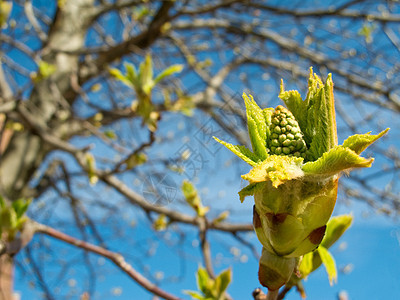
{"x": 116, "y": 258}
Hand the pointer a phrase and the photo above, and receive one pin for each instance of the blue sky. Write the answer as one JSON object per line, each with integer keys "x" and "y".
{"x": 369, "y": 251}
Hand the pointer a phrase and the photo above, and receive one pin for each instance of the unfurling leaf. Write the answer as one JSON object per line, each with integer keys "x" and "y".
{"x": 91, "y": 168}
{"x": 329, "y": 263}
{"x": 12, "y": 216}
{"x": 359, "y": 142}
{"x": 168, "y": 72}
{"x": 5, "y": 10}
{"x": 161, "y": 223}
{"x": 257, "y": 121}
{"x": 336, "y": 160}
{"x": 221, "y": 217}
{"x": 241, "y": 151}
{"x": 193, "y": 199}
{"x": 45, "y": 71}
{"x": 247, "y": 191}
{"x": 211, "y": 289}
{"x": 135, "y": 159}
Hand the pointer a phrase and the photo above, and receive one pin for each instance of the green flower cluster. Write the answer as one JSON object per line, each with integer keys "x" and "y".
{"x": 286, "y": 137}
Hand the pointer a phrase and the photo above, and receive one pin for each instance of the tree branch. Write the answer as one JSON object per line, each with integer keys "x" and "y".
{"x": 114, "y": 257}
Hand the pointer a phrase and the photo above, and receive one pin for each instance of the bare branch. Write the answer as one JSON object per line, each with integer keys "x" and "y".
{"x": 116, "y": 258}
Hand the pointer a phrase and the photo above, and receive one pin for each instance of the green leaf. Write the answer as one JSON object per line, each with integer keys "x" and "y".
{"x": 168, "y": 72}
{"x": 248, "y": 191}
{"x": 315, "y": 115}
{"x": 2, "y": 202}
{"x": 146, "y": 75}
{"x": 195, "y": 295}
{"x": 117, "y": 74}
{"x": 193, "y": 199}
{"x": 306, "y": 264}
{"x": 335, "y": 161}
{"x": 91, "y": 168}
{"x": 359, "y": 142}
{"x": 241, "y": 151}
{"x": 20, "y": 206}
{"x": 46, "y": 69}
{"x": 222, "y": 282}
{"x": 131, "y": 75}
{"x": 204, "y": 282}
{"x": 135, "y": 159}
{"x": 329, "y": 263}
{"x": 277, "y": 169}
{"x": 110, "y": 134}
{"x": 161, "y": 223}
{"x": 335, "y": 228}
{"x": 257, "y": 126}
{"x": 5, "y": 10}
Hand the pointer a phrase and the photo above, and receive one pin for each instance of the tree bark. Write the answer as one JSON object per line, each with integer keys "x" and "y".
{"x": 6, "y": 277}
{"x": 25, "y": 150}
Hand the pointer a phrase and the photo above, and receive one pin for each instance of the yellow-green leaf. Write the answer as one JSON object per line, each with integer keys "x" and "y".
{"x": 222, "y": 282}
{"x": 241, "y": 151}
{"x": 117, "y": 74}
{"x": 335, "y": 228}
{"x": 359, "y": 142}
{"x": 329, "y": 263}
{"x": 145, "y": 76}
{"x": 91, "y": 168}
{"x": 5, "y": 10}
{"x": 193, "y": 199}
{"x": 257, "y": 126}
{"x": 168, "y": 72}
{"x": 315, "y": 115}
{"x": 306, "y": 264}
{"x": 277, "y": 169}
{"x": 247, "y": 191}
{"x": 335, "y": 161}
{"x": 160, "y": 223}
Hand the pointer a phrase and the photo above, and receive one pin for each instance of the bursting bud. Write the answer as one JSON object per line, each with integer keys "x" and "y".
{"x": 296, "y": 164}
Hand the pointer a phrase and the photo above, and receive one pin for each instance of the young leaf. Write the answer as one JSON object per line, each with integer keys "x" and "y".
{"x": 195, "y": 295}
{"x": 145, "y": 77}
{"x": 91, "y": 168}
{"x": 335, "y": 161}
{"x": 306, "y": 264}
{"x": 335, "y": 228}
{"x": 168, "y": 72}
{"x": 329, "y": 263}
{"x": 359, "y": 142}
{"x": 257, "y": 127}
{"x": 241, "y": 151}
{"x": 247, "y": 191}
{"x": 221, "y": 217}
{"x": 20, "y": 206}
{"x": 204, "y": 282}
{"x": 277, "y": 169}
{"x": 315, "y": 115}
{"x": 222, "y": 282}
{"x": 131, "y": 75}
{"x": 161, "y": 223}
{"x": 193, "y": 199}
{"x": 5, "y": 9}
{"x": 117, "y": 74}
{"x": 2, "y": 202}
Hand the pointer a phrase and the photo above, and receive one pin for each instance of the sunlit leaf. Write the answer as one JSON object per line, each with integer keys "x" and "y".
{"x": 168, "y": 72}
{"x": 336, "y": 160}
{"x": 359, "y": 142}
{"x": 241, "y": 151}
{"x": 329, "y": 263}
